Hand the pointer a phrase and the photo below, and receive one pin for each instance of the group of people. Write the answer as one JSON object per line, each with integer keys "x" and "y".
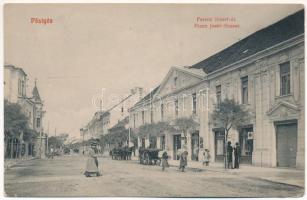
{"x": 183, "y": 161}
{"x": 92, "y": 164}
{"x": 233, "y": 151}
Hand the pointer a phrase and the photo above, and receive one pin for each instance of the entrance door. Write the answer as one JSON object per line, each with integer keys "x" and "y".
{"x": 219, "y": 145}
{"x": 286, "y": 143}
{"x": 177, "y": 145}
{"x": 195, "y": 146}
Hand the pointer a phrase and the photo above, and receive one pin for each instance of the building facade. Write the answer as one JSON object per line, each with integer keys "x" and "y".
{"x": 98, "y": 126}
{"x": 265, "y": 73}
{"x": 178, "y": 96}
{"x": 102, "y": 121}
{"x": 15, "y": 91}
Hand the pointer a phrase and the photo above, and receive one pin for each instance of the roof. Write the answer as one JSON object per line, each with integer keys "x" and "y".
{"x": 187, "y": 69}
{"x": 35, "y": 94}
{"x": 15, "y": 68}
{"x": 120, "y": 124}
{"x": 193, "y": 71}
{"x": 148, "y": 96}
{"x": 276, "y": 33}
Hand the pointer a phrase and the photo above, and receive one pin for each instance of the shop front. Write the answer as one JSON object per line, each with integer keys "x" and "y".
{"x": 246, "y": 144}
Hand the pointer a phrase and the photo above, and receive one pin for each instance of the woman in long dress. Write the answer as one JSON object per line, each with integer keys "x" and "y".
{"x": 92, "y": 162}
{"x": 164, "y": 161}
{"x": 183, "y": 161}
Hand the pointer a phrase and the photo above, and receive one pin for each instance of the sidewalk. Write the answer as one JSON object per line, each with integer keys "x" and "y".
{"x": 287, "y": 176}
{"x": 8, "y": 163}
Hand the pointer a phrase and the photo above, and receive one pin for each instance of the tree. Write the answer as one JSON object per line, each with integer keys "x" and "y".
{"x": 29, "y": 135}
{"x": 15, "y": 123}
{"x": 229, "y": 114}
{"x": 184, "y": 125}
{"x": 57, "y": 141}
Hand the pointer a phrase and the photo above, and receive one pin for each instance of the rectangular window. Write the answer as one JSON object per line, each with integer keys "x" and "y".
{"x": 151, "y": 114}
{"x": 38, "y": 122}
{"x": 152, "y": 142}
{"x": 176, "y": 108}
{"x": 19, "y": 87}
{"x": 134, "y": 118}
{"x": 218, "y": 90}
{"x": 194, "y": 101}
{"x": 162, "y": 112}
{"x": 285, "y": 78}
{"x": 162, "y": 142}
{"x": 23, "y": 89}
{"x": 244, "y": 83}
{"x": 143, "y": 117}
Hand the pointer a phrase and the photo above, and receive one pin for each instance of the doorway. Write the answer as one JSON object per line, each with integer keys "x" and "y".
{"x": 195, "y": 145}
{"x": 286, "y": 143}
{"x": 219, "y": 144}
{"x": 177, "y": 145}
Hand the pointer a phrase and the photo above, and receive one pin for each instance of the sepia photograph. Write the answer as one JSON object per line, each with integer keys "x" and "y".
{"x": 166, "y": 100}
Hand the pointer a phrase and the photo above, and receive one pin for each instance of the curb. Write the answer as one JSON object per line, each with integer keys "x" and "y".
{"x": 276, "y": 182}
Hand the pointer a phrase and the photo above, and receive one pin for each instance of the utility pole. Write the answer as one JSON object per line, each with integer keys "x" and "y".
{"x": 40, "y": 146}
{"x": 47, "y": 138}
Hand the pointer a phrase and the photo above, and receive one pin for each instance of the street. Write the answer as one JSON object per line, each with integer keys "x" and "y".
{"x": 63, "y": 177}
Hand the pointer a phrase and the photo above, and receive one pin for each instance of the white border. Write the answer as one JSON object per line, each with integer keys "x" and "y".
{"x": 121, "y": 1}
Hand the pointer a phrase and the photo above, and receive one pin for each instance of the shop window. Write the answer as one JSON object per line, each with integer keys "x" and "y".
{"x": 246, "y": 141}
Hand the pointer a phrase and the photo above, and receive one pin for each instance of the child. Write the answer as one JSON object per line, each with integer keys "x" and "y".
{"x": 206, "y": 157}
{"x": 164, "y": 160}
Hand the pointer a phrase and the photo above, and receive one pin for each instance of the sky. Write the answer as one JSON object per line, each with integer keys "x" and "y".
{"x": 115, "y": 47}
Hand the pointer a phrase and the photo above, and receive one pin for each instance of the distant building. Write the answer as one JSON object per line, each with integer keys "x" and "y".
{"x": 15, "y": 91}
{"x": 102, "y": 121}
{"x": 98, "y": 126}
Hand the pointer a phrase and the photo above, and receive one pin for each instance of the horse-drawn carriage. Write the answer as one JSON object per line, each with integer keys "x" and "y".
{"x": 122, "y": 153}
{"x": 149, "y": 156}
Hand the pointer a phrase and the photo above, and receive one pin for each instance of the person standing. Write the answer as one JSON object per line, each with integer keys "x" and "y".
{"x": 92, "y": 162}
{"x": 164, "y": 160}
{"x": 229, "y": 155}
{"x": 183, "y": 161}
{"x": 51, "y": 152}
{"x": 207, "y": 157}
{"x": 237, "y": 154}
